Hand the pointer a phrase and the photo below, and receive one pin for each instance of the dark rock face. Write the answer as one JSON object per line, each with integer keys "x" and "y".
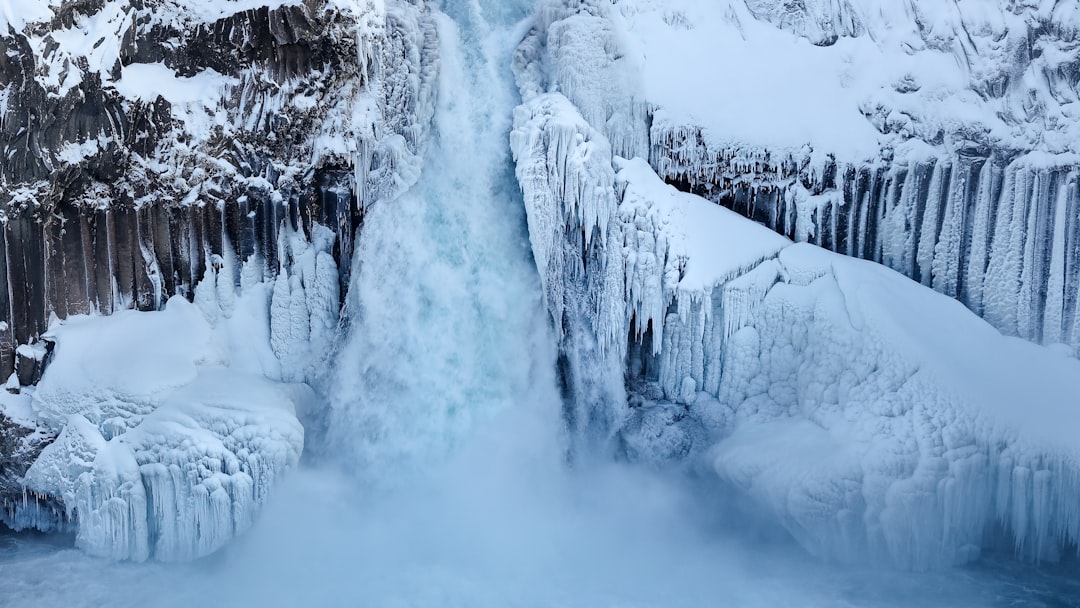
{"x": 185, "y": 135}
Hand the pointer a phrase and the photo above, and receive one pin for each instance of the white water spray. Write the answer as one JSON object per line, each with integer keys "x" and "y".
{"x": 447, "y": 328}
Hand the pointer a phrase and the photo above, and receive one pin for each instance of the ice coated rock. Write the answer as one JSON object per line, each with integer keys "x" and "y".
{"x": 938, "y": 140}
{"x": 872, "y": 416}
{"x": 565, "y": 173}
{"x": 22, "y": 439}
{"x": 170, "y": 435}
{"x": 146, "y": 140}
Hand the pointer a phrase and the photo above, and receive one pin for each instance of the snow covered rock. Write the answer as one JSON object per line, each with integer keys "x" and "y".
{"x": 899, "y": 134}
{"x": 873, "y": 417}
{"x": 144, "y": 139}
{"x": 168, "y": 442}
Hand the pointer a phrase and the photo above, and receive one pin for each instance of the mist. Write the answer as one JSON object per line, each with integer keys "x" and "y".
{"x": 506, "y": 521}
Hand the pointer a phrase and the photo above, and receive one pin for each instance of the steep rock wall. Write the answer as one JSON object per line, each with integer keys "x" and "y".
{"x": 148, "y": 140}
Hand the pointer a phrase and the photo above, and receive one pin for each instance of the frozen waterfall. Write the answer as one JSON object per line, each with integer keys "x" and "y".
{"x": 446, "y": 325}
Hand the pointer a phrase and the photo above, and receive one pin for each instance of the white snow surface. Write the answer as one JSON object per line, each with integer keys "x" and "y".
{"x": 16, "y": 14}
{"x": 171, "y": 434}
{"x": 708, "y": 243}
{"x": 847, "y": 77}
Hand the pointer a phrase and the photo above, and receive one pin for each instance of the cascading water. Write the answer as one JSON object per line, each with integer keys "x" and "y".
{"x": 446, "y": 321}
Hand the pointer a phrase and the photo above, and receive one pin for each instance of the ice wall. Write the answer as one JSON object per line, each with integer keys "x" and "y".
{"x": 995, "y": 233}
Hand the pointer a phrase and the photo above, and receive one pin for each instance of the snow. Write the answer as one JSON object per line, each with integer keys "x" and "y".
{"x": 208, "y": 12}
{"x": 874, "y": 418}
{"x": 171, "y": 434}
{"x": 15, "y": 14}
{"x": 754, "y": 84}
{"x": 846, "y": 77}
{"x": 16, "y": 406}
{"x": 119, "y": 388}
{"x": 146, "y": 81}
{"x": 714, "y": 243}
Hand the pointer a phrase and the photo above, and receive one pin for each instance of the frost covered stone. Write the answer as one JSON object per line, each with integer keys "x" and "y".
{"x": 146, "y": 142}
{"x": 167, "y": 448}
{"x": 873, "y": 417}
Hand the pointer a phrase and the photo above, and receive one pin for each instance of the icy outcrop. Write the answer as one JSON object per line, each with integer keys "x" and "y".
{"x": 565, "y": 173}
{"x": 876, "y": 418}
{"x": 872, "y": 417}
{"x": 168, "y": 445}
{"x": 22, "y": 438}
{"x": 991, "y": 232}
{"x": 579, "y": 51}
{"x": 146, "y": 140}
{"x": 829, "y": 121}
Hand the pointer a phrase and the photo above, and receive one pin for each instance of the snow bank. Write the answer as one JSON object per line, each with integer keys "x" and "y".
{"x": 849, "y": 78}
{"x": 874, "y": 417}
{"x": 171, "y": 436}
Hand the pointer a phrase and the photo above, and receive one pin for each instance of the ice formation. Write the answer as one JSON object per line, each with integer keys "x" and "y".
{"x": 874, "y": 418}
{"x": 564, "y": 170}
{"x": 827, "y": 122}
{"x": 168, "y": 444}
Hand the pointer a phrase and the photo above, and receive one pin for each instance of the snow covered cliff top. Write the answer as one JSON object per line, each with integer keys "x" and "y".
{"x": 851, "y": 76}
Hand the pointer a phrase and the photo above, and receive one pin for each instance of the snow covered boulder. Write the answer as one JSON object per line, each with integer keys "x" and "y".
{"x": 164, "y": 451}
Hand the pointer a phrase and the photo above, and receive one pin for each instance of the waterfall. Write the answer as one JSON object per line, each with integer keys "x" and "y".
{"x": 446, "y": 326}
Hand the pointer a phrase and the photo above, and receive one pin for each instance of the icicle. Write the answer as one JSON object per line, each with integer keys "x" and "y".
{"x": 1001, "y": 285}
{"x": 1054, "y": 311}
{"x": 978, "y": 259}
{"x": 948, "y": 252}
{"x": 1029, "y": 300}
